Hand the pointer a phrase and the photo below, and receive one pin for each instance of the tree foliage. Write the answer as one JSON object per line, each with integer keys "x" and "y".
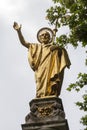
{"x": 72, "y": 14}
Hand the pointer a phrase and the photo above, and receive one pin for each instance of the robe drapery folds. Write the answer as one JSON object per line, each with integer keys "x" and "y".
{"x": 49, "y": 68}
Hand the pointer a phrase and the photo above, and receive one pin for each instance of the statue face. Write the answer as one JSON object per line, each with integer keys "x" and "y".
{"x": 45, "y": 37}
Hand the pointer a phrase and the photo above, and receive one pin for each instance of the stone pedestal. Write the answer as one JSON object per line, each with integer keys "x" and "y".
{"x": 46, "y": 114}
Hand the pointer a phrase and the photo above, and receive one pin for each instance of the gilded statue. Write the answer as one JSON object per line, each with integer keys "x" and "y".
{"x": 47, "y": 60}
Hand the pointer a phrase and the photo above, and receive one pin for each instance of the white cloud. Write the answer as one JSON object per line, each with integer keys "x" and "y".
{"x": 11, "y": 6}
{"x": 11, "y": 9}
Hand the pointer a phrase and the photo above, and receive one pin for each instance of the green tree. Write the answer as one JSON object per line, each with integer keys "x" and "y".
{"x": 73, "y": 15}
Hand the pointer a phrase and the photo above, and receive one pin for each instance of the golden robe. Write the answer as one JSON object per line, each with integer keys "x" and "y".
{"x": 49, "y": 68}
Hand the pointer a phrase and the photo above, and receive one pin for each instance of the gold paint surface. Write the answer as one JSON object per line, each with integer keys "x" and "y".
{"x": 47, "y": 60}
{"x": 49, "y": 67}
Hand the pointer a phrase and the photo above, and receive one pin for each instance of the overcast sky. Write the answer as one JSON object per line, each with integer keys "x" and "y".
{"x": 17, "y": 84}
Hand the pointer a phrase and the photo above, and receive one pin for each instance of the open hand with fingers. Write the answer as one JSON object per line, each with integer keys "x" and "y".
{"x": 16, "y": 26}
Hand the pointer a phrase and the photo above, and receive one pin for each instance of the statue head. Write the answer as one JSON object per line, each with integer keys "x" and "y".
{"x": 45, "y": 35}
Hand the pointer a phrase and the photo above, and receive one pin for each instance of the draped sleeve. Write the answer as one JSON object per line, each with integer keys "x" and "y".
{"x": 65, "y": 61}
{"x": 34, "y": 55}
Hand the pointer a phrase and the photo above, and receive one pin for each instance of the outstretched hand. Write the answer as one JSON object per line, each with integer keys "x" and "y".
{"x": 16, "y": 26}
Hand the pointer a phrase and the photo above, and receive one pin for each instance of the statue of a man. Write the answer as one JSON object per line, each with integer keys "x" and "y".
{"x": 48, "y": 62}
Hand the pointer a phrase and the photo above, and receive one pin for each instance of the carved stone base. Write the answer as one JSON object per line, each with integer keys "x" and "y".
{"x": 46, "y": 114}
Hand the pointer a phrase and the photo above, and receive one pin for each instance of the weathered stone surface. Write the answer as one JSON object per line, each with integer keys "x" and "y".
{"x": 46, "y": 114}
{"x": 48, "y": 125}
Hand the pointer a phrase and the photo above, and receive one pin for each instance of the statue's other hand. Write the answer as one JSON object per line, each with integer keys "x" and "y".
{"x": 16, "y": 26}
{"x": 54, "y": 47}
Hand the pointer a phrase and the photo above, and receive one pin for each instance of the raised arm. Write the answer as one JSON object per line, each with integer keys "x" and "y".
{"x": 21, "y": 38}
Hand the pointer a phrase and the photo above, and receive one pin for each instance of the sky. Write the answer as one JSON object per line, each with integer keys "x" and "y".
{"x": 17, "y": 83}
